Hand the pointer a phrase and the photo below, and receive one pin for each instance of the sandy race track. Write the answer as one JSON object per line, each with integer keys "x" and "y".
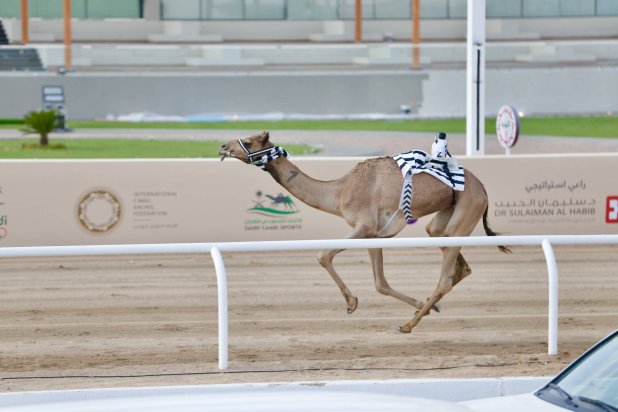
{"x": 151, "y": 320}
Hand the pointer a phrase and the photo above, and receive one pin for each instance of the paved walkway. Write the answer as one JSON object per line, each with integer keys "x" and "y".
{"x": 350, "y": 143}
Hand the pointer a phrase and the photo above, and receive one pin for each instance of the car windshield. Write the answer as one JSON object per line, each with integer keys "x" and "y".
{"x": 592, "y": 382}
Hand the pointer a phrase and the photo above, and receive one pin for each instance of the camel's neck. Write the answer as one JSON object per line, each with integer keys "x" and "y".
{"x": 315, "y": 193}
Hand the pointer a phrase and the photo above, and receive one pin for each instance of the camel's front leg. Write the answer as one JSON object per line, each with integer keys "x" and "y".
{"x": 382, "y": 286}
{"x": 448, "y": 277}
{"x": 325, "y": 257}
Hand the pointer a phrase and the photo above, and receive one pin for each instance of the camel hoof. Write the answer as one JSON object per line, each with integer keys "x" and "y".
{"x": 437, "y": 307}
{"x": 352, "y": 308}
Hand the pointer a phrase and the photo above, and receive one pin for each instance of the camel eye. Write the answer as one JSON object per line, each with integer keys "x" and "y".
{"x": 247, "y": 143}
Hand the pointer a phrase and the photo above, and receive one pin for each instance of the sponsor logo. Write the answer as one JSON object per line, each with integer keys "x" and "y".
{"x": 273, "y": 205}
{"x": 154, "y": 209}
{"x": 611, "y": 209}
{"x": 99, "y": 211}
{"x": 551, "y": 201}
{"x": 277, "y": 213}
{"x": 507, "y": 126}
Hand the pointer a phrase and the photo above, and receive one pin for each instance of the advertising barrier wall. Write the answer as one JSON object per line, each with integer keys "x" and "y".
{"x": 77, "y": 202}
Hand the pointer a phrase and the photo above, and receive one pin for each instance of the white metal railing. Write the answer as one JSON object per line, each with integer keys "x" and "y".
{"x": 215, "y": 250}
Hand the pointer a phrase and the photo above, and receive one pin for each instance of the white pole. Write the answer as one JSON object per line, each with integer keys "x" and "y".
{"x": 475, "y": 79}
{"x": 552, "y": 321}
{"x": 222, "y": 305}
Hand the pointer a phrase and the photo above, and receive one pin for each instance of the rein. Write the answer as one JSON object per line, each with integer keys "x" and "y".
{"x": 263, "y": 156}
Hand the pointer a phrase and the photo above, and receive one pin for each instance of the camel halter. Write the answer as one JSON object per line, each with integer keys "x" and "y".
{"x": 263, "y": 156}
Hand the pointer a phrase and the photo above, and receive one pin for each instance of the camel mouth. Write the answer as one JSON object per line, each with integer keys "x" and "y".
{"x": 225, "y": 153}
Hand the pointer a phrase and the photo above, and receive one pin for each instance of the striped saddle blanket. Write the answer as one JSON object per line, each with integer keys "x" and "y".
{"x": 444, "y": 169}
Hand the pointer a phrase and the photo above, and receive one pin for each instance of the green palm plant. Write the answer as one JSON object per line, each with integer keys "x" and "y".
{"x": 42, "y": 122}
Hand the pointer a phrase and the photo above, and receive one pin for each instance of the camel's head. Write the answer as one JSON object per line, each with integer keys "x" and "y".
{"x": 257, "y": 150}
{"x": 243, "y": 149}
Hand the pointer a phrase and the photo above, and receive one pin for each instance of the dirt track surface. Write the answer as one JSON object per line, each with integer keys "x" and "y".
{"x": 152, "y": 320}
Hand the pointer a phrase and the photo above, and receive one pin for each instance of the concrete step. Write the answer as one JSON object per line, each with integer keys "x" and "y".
{"x": 20, "y": 59}
{"x": 3, "y": 37}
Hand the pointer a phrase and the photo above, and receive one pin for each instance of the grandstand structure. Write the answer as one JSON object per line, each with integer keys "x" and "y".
{"x": 204, "y": 55}
{"x": 192, "y": 23}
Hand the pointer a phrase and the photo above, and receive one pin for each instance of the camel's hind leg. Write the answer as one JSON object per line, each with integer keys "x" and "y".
{"x": 461, "y": 222}
{"x": 381, "y": 284}
{"x": 326, "y": 256}
{"x": 435, "y": 228}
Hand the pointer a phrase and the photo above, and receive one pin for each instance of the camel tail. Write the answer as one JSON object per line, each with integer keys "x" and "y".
{"x": 489, "y": 232}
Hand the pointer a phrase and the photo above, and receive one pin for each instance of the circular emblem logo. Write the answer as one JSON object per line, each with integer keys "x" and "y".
{"x": 507, "y": 126}
{"x": 99, "y": 211}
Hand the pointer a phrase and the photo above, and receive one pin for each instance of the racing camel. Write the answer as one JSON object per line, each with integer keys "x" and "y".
{"x": 369, "y": 199}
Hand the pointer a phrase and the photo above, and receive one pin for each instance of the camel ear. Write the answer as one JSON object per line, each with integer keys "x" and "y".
{"x": 264, "y": 138}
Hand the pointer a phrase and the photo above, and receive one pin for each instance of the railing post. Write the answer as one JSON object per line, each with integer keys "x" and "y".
{"x": 552, "y": 323}
{"x": 222, "y": 305}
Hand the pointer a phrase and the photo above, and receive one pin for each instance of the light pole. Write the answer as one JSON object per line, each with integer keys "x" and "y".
{"x": 67, "y": 34}
{"x": 25, "y": 37}
{"x": 475, "y": 79}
